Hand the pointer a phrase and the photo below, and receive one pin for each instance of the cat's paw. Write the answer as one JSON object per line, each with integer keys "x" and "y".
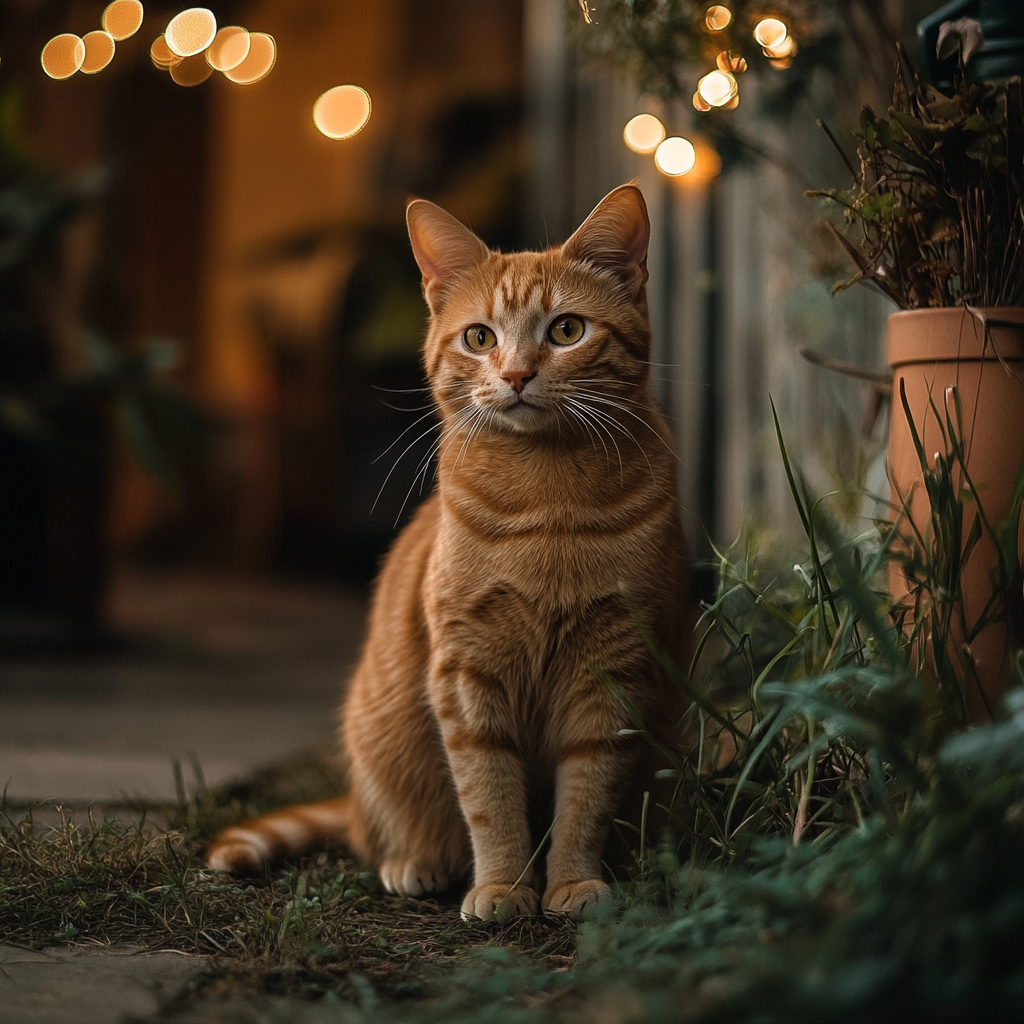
{"x": 498, "y": 901}
{"x": 577, "y": 898}
{"x": 241, "y": 851}
{"x": 412, "y": 877}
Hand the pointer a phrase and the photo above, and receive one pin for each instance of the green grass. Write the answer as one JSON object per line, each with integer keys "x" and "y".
{"x": 846, "y": 855}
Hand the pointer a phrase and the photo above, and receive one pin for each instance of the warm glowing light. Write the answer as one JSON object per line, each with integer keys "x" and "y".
{"x": 700, "y": 103}
{"x": 643, "y": 133}
{"x": 228, "y": 49}
{"x": 733, "y": 103}
{"x": 729, "y": 61}
{"x": 718, "y": 18}
{"x": 258, "y": 64}
{"x": 342, "y": 112}
{"x": 675, "y": 156}
{"x": 63, "y": 55}
{"x": 122, "y": 18}
{"x": 162, "y": 55}
{"x": 99, "y": 51}
{"x": 717, "y": 88}
{"x": 770, "y": 31}
{"x": 191, "y": 32}
{"x": 192, "y": 70}
{"x": 708, "y": 164}
{"x": 781, "y": 65}
{"x": 787, "y": 48}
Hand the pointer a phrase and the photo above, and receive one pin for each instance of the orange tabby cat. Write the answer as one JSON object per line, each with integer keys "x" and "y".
{"x": 484, "y": 699}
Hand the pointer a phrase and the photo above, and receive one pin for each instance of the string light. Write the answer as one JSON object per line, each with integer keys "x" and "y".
{"x": 717, "y": 88}
{"x": 191, "y": 71}
{"x": 259, "y": 62}
{"x": 122, "y": 18}
{"x": 787, "y": 48}
{"x": 718, "y": 18}
{"x": 162, "y": 55}
{"x": 191, "y": 31}
{"x": 99, "y": 51}
{"x": 643, "y": 133}
{"x": 62, "y": 56}
{"x": 728, "y": 61}
{"x": 770, "y": 32}
{"x": 342, "y": 112}
{"x": 675, "y": 156}
{"x": 229, "y": 48}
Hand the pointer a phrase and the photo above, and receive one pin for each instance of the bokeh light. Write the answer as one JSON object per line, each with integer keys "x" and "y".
{"x": 718, "y": 18}
{"x": 191, "y": 32}
{"x": 729, "y": 61}
{"x": 258, "y": 64}
{"x": 342, "y": 112}
{"x": 643, "y": 133}
{"x": 162, "y": 55}
{"x": 122, "y": 18}
{"x": 191, "y": 70}
{"x": 787, "y": 48}
{"x": 770, "y": 31}
{"x": 99, "y": 51}
{"x": 707, "y": 165}
{"x": 675, "y": 156}
{"x": 717, "y": 88}
{"x": 229, "y": 48}
{"x": 62, "y": 56}
{"x": 700, "y": 103}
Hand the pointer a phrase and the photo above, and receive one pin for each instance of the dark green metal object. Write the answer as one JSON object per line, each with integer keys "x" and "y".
{"x": 1002, "y": 55}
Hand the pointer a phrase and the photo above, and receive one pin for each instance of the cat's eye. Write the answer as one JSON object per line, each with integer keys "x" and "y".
{"x": 479, "y": 338}
{"x": 566, "y": 330}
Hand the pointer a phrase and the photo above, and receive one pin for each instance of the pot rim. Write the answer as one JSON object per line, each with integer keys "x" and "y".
{"x": 955, "y": 334}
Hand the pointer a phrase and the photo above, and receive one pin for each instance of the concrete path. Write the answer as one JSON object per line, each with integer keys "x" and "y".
{"x": 82, "y": 985}
{"x": 234, "y": 674}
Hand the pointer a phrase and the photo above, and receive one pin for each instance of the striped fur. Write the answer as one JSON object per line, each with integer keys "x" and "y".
{"x": 482, "y": 702}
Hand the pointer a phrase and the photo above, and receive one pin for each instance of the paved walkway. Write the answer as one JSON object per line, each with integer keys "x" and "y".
{"x": 233, "y": 674}
{"x": 77, "y": 985}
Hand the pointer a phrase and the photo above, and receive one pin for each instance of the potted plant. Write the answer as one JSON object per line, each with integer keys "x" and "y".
{"x": 938, "y": 203}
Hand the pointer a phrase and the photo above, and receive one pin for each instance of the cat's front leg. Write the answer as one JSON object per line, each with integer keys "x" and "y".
{"x": 490, "y": 782}
{"x": 587, "y": 785}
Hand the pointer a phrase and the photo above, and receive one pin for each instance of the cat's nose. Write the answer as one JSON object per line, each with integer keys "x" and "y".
{"x": 518, "y": 378}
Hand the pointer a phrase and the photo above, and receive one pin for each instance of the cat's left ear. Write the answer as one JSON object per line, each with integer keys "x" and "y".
{"x": 615, "y": 235}
{"x": 443, "y": 247}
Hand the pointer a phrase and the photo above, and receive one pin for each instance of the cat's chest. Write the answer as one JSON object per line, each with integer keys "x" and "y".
{"x": 557, "y": 555}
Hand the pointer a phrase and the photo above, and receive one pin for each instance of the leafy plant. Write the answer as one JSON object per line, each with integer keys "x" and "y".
{"x": 937, "y": 202}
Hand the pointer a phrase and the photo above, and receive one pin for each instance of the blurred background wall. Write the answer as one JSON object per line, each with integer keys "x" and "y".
{"x": 275, "y": 260}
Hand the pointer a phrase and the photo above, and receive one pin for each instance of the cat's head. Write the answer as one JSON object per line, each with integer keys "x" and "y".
{"x": 528, "y": 341}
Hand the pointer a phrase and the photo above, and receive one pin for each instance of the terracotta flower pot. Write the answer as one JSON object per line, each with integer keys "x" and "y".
{"x": 931, "y": 351}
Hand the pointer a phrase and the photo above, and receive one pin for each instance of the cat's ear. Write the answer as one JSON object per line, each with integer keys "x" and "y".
{"x": 442, "y": 246}
{"x": 615, "y": 235}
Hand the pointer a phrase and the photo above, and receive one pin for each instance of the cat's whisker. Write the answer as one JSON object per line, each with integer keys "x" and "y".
{"x": 605, "y": 400}
{"x": 473, "y": 430}
{"x": 595, "y": 418}
{"x": 412, "y": 444}
{"x": 419, "y": 419}
{"x": 611, "y": 419}
{"x": 461, "y": 417}
{"x": 594, "y": 436}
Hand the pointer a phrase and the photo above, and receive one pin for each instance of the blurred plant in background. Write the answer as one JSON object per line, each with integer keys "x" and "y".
{"x": 66, "y": 393}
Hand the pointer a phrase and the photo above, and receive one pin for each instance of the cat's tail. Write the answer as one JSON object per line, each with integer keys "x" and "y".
{"x": 290, "y": 832}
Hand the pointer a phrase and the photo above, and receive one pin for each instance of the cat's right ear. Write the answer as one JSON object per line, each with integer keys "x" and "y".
{"x": 442, "y": 246}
